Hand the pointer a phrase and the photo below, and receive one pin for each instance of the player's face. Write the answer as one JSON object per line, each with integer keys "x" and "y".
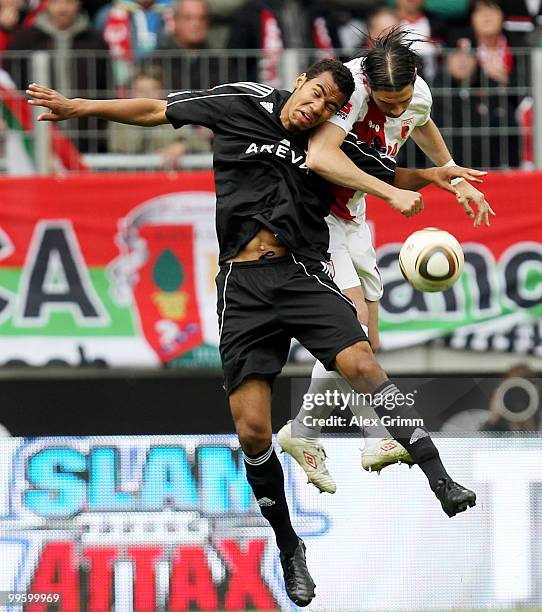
{"x": 313, "y": 102}
{"x": 393, "y": 103}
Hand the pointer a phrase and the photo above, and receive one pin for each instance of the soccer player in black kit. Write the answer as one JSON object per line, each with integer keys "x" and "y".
{"x": 273, "y": 282}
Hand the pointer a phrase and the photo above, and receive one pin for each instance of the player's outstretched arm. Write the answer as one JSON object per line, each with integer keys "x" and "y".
{"x": 417, "y": 178}
{"x": 431, "y": 142}
{"x": 135, "y": 111}
{"x": 326, "y": 158}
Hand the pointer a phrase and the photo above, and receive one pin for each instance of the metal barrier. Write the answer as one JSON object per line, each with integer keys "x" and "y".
{"x": 486, "y": 124}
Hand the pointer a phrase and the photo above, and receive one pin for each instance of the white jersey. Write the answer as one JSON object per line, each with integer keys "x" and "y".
{"x": 363, "y": 117}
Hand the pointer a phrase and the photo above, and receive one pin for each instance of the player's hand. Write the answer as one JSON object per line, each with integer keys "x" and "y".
{"x": 408, "y": 203}
{"x": 467, "y": 195}
{"x": 441, "y": 176}
{"x": 60, "y": 108}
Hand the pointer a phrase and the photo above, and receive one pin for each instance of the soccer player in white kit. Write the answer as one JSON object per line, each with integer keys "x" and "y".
{"x": 391, "y": 103}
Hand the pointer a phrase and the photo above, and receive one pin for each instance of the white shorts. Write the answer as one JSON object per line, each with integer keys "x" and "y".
{"x": 353, "y": 257}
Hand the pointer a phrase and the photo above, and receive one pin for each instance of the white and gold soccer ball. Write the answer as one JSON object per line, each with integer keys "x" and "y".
{"x": 431, "y": 259}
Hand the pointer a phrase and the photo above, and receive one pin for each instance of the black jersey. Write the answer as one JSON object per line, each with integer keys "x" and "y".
{"x": 260, "y": 171}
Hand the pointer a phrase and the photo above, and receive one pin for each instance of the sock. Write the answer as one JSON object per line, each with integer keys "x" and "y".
{"x": 265, "y": 476}
{"x": 303, "y": 426}
{"x": 415, "y": 439}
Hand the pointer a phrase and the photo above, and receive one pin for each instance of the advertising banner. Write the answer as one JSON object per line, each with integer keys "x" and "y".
{"x": 119, "y": 270}
{"x": 109, "y": 270}
{"x": 497, "y": 303}
{"x": 156, "y": 524}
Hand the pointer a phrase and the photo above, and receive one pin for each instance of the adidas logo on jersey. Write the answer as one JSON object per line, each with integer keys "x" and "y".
{"x": 268, "y": 106}
{"x": 265, "y": 502}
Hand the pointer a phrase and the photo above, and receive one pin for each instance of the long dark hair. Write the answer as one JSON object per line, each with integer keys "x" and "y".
{"x": 390, "y": 62}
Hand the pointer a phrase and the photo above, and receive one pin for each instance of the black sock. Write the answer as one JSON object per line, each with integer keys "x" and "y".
{"x": 415, "y": 439}
{"x": 265, "y": 475}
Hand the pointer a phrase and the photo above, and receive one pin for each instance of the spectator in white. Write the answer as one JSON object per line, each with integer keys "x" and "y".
{"x": 170, "y": 144}
{"x": 412, "y": 18}
{"x": 178, "y": 54}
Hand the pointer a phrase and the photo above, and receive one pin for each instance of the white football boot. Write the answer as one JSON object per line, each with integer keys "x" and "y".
{"x": 310, "y": 455}
{"x": 379, "y": 454}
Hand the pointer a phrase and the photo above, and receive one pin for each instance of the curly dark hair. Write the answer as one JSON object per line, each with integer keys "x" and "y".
{"x": 341, "y": 75}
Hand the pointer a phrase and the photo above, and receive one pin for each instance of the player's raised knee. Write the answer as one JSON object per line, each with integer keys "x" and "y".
{"x": 254, "y": 435}
{"x": 358, "y": 365}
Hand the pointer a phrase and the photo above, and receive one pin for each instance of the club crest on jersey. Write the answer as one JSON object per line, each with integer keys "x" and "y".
{"x": 344, "y": 111}
{"x": 406, "y": 125}
{"x": 282, "y": 149}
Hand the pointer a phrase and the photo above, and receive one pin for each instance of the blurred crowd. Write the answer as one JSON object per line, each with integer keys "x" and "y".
{"x": 474, "y": 56}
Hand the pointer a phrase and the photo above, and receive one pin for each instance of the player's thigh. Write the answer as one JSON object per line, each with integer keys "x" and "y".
{"x": 317, "y": 313}
{"x": 343, "y": 271}
{"x": 252, "y": 340}
{"x": 363, "y": 256}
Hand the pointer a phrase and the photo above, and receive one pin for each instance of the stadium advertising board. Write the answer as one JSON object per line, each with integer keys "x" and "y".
{"x": 136, "y": 524}
{"x": 119, "y": 270}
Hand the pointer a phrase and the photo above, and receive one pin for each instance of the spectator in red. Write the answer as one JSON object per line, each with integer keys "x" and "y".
{"x": 132, "y": 28}
{"x": 10, "y": 17}
{"x": 62, "y": 27}
{"x": 15, "y": 14}
{"x": 479, "y": 120}
{"x": 274, "y": 25}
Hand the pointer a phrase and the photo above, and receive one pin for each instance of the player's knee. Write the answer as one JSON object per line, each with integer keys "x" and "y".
{"x": 254, "y": 435}
{"x": 358, "y": 365}
{"x": 366, "y": 367}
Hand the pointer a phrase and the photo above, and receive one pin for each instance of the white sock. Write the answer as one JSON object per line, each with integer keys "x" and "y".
{"x": 322, "y": 380}
{"x": 371, "y": 433}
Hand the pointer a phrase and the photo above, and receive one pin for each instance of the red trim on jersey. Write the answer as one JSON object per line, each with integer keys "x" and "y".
{"x": 339, "y": 207}
{"x": 370, "y": 130}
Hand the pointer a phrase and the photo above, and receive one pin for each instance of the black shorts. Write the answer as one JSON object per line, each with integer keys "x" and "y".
{"x": 263, "y": 304}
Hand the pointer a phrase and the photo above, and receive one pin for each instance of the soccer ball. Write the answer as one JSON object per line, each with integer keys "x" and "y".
{"x": 431, "y": 259}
